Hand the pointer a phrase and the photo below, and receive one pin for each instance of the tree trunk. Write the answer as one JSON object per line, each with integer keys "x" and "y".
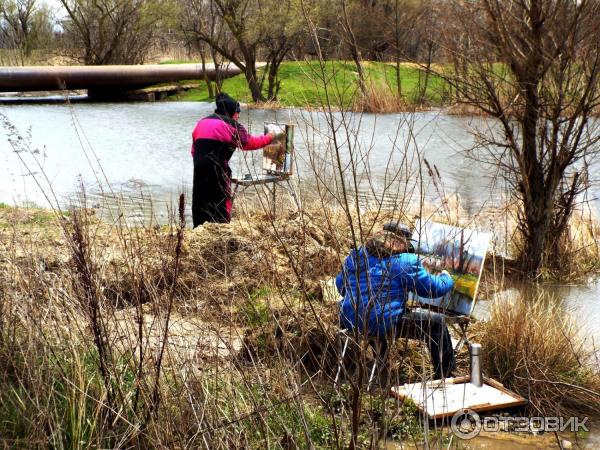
{"x": 354, "y": 51}
{"x": 423, "y": 87}
{"x": 397, "y": 36}
{"x": 253, "y": 84}
{"x": 538, "y": 244}
{"x": 273, "y": 83}
{"x": 218, "y": 65}
{"x": 209, "y": 84}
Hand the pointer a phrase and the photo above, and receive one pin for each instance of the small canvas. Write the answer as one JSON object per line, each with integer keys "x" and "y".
{"x": 277, "y": 156}
{"x": 461, "y": 252}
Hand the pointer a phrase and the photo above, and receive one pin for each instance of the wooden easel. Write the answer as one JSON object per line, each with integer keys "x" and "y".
{"x": 275, "y": 172}
{"x": 270, "y": 182}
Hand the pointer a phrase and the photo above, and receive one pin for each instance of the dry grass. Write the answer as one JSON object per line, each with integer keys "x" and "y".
{"x": 535, "y": 348}
{"x": 107, "y": 340}
{"x": 577, "y": 253}
{"x": 250, "y": 349}
{"x": 579, "y": 258}
{"x": 380, "y": 98}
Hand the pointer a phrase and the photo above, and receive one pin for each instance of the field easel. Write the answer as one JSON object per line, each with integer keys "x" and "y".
{"x": 277, "y": 166}
{"x": 456, "y": 307}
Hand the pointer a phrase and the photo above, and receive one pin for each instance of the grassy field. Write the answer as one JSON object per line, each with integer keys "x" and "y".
{"x": 302, "y": 84}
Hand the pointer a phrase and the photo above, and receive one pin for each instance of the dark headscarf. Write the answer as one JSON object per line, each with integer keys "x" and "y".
{"x": 226, "y": 105}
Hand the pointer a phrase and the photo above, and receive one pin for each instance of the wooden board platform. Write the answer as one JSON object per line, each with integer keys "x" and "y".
{"x": 258, "y": 179}
{"x": 443, "y": 398}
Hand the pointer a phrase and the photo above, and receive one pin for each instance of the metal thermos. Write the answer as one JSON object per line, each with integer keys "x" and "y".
{"x": 476, "y": 353}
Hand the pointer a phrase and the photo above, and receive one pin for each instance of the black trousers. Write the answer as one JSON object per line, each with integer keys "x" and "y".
{"x": 430, "y": 327}
{"x": 211, "y": 192}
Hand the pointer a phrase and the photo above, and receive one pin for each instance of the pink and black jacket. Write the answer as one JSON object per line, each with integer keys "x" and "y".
{"x": 217, "y": 136}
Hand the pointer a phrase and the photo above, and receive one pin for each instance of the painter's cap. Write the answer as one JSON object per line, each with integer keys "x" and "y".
{"x": 398, "y": 228}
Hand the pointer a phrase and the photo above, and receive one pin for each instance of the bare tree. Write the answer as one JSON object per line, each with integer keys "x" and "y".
{"x": 282, "y": 30}
{"x": 112, "y": 31}
{"x": 198, "y": 19}
{"x": 427, "y": 29}
{"x": 236, "y": 15}
{"x": 353, "y": 46}
{"x": 535, "y": 70}
{"x": 242, "y": 31}
{"x": 26, "y": 25}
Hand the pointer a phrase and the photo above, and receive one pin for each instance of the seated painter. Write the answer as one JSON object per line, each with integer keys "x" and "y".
{"x": 375, "y": 281}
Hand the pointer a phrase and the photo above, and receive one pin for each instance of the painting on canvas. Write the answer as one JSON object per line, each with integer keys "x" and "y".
{"x": 277, "y": 156}
{"x": 459, "y": 251}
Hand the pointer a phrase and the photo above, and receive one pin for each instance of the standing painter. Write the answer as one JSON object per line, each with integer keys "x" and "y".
{"x": 215, "y": 138}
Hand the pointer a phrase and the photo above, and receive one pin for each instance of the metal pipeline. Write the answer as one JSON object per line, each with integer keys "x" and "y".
{"x": 102, "y": 77}
{"x": 476, "y": 353}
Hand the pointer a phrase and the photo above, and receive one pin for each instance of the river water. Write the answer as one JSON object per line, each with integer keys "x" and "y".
{"x": 142, "y": 150}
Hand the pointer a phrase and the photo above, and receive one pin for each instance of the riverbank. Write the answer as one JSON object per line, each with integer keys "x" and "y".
{"x": 302, "y": 86}
{"x": 218, "y": 336}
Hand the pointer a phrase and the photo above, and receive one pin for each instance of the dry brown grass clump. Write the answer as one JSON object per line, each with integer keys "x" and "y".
{"x": 576, "y": 255}
{"x": 381, "y": 99}
{"x": 579, "y": 249}
{"x": 534, "y": 347}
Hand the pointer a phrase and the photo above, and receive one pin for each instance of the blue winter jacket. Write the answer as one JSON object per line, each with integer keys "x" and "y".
{"x": 375, "y": 289}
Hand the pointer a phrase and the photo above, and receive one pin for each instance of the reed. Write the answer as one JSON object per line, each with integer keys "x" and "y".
{"x": 536, "y": 348}
{"x": 381, "y": 98}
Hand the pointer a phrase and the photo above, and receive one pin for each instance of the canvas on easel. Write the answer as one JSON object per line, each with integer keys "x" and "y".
{"x": 459, "y": 251}
{"x": 278, "y": 156}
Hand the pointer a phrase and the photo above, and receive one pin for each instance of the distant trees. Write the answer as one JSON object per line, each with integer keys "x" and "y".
{"x": 244, "y": 32}
{"x": 112, "y": 31}
{"x": 224, "y": 26}
{"x": 352, "y": 45}
{"x": 248, "y": 31}
{"x": 24, "y": 25}
{"x": 283, "y": 31}
{"x": 197, "y": 18}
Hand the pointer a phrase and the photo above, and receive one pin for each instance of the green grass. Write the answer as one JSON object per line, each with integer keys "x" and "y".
{"x": 255, "y": 311}
{"x": 302, "y": 84}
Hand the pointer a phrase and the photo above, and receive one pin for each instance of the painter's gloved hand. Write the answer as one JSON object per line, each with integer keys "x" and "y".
{"x": 272, "y": 134}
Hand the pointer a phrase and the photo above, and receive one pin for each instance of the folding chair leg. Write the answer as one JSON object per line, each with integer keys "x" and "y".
{"x": 341, "y": 361}
{"x": 380, "y": 349}
{"x": 461, "y": 329}
{"x": 372, "y": 375}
